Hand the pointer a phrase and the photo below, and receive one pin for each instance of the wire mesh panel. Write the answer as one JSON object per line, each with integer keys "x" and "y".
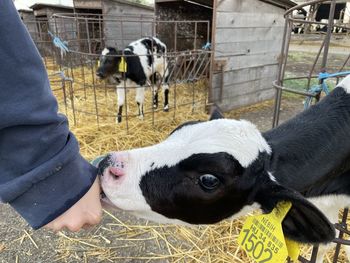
{"x": 87, "y": 98}
{"x": 39, "y": 31}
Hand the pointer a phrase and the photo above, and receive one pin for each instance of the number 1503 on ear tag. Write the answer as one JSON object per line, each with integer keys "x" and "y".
{"x": 263, "y": 240}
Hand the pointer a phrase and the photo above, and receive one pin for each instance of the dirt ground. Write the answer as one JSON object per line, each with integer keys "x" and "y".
{"x": 18, "y": 243}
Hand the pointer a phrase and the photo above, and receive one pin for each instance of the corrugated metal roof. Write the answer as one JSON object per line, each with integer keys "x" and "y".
{"x": 61, "y": 3}
{"x": 40, "y": 5}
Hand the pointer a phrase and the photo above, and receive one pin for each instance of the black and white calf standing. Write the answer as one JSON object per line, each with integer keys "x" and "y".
{"x": 205, "y": 172}
{"x": 301, "y": 14}
{"x": 145, "y": 62}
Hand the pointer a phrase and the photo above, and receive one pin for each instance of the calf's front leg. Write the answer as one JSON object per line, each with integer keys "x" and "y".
{"x": 121, "y": 100}
{"x": 140, "y": 98}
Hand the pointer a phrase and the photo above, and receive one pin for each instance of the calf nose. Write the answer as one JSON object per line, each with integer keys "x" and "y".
{"x": 102, "y": 163}
{"x": 116, "y": 171}
{"x": 118, "y": 164}
{"x": 99, "y": 74}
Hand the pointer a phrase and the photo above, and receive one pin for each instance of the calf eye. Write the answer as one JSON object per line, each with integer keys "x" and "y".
{"x": 209, "y": 182}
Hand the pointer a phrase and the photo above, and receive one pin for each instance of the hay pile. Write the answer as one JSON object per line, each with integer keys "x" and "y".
{"x": 119, "y": 238}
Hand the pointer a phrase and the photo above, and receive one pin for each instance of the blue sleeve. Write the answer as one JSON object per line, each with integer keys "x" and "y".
{"x": 41, "y": 171}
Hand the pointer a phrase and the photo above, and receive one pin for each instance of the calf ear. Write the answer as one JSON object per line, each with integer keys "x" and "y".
{"x": 304, "y": 222}
{"x": 215, "y": 113}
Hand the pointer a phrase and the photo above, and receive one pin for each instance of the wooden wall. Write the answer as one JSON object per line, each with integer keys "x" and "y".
{"x": 124, "y": 23}
{"x": 28, "y": 19}
{"x": 248, "y": 37}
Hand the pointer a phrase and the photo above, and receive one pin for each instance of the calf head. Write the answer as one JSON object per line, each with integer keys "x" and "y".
{"x": 205, "y": 172}
{"x": 108, "y": 63}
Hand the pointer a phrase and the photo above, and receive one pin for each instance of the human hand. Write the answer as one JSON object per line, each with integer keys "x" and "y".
{"x": 86, "y": 212}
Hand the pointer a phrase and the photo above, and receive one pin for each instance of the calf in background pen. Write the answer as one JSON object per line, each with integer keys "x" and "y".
{"x": 208, "y": 171}
{"x": 301, "y": 14}
{"x": 135, "y": 66}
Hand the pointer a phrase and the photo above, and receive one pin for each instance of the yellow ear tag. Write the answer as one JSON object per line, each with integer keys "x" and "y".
{"x": 98, "y": 63}
{"x": 263, "y": 240}
{"x": 122, "y": 65}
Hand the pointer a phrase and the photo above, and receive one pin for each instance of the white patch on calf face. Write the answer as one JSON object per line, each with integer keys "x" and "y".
{"x": 345, "y": 84}
{"x": 120, "y": 188}
{"x": 239, "y": 139}
{"x": 105, "y": 51}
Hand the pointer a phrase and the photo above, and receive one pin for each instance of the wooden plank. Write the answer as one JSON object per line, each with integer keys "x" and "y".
{"x": 249, "y": 61}
{"x": 247, "y": 99}
{"x": 248, "y": 87}
{"x": 245, "y": 20}
{"x": 238, "y": 97}
{"x": 245, "y": 48}
{"x": 244, "y": 75}
{"x": 247, "y": 6}
{"x": 231, "y": 35}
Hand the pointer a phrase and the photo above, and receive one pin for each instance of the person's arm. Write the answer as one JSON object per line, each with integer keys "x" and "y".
{"x": 42, "y": 174}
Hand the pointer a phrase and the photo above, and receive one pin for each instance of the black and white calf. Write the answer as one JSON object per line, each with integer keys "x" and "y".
{"x": 301, "y": 14}
{"x": 145, "y": 59}
{"x": 205, "y": 172}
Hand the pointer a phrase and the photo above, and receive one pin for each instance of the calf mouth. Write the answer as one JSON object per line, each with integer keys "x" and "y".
{"x": 102, "y": 163}
{"x": 106, "y": 202}
{"x": 99, "y": 77}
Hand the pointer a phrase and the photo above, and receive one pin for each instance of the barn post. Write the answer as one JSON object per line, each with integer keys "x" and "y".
{"x": 195, "y": 35}
{"x": 175, "y": 38}
{"x": 213, "y": 46}
{"x": 88, "y": 34}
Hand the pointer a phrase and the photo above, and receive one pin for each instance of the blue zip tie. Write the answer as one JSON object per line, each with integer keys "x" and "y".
{"x": 207, "y": 46}
{"x": 59, "y": 43}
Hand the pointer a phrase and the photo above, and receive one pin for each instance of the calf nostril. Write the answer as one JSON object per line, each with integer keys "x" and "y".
{"x": 116, "y": 171}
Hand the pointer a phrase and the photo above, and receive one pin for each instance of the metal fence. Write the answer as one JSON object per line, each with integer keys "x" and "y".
{"x": 85, "y": 35}
{"x": 320, "y": 59}
{"x": 320, "y": 62}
